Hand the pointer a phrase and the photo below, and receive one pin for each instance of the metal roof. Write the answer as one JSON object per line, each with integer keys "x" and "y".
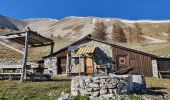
{"x": 86, "y": 50}
{"x": 34, "y": 39}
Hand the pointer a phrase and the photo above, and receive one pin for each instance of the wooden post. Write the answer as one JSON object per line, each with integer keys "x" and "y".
{"x": 69, "y": 60}
{"x": 52, "y": 48}
{"x": 79, "y": 65}
{"x": 67, "y": 64}
{"x": 23, "y": 75}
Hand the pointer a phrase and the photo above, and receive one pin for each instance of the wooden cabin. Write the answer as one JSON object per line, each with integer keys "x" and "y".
{"x": 85, "y": 56}
{"x": 89, "y": 56}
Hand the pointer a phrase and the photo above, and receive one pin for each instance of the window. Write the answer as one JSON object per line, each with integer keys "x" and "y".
{"x": 122, "y": 60}
{"x": 76, "y": 60}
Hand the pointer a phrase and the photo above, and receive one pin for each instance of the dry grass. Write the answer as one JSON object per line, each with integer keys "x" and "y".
{"x": 158, "y": 87}
{"x": 68, "y": 27}
{"x": 78, "y": 28}
{"x": 14, "y": 90}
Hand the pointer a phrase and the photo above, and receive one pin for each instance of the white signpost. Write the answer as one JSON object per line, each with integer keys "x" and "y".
{"x": 155, "y": 68}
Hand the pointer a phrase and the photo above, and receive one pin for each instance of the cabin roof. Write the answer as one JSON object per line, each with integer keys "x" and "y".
{"x": 125, "y": 47}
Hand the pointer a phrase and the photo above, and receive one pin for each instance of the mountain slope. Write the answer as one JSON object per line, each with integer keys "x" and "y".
{"x": 70, "y": 29}
{"x": 77, "y": 27}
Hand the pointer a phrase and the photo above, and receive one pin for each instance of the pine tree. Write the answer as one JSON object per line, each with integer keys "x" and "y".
{"x": 138, "y": 31}
{"x": 100, "y": 31}
{"x": 130, "y": 34}
{"x": 118, "y": 34}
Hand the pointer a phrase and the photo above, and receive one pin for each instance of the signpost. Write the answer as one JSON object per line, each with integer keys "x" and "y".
{"x": 72, "y": 48}
{"x": 155, "y": 68}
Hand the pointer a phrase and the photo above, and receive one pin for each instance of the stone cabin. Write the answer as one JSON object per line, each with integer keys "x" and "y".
{"x": 85, "y": 56}
{"x": 92, "y": 56}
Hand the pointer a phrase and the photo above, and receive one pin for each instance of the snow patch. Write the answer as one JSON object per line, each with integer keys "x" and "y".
{"x": 74, "y": 17}
{"x": 107, "y": 19}
{"x": 52, "y": 19}
{"x": 94, "y": 20}
{"x": 145, "y": 21}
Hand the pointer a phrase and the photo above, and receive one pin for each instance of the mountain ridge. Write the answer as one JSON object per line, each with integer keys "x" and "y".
{"x": 75, "y": 27}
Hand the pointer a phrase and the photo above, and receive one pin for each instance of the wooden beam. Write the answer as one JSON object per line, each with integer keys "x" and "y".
{"x": 16, "y": 33}
{"x": 52, "y": 48}
{"x": 40, "y": 45}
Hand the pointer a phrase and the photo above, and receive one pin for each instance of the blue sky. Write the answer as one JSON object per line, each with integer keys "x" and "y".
{"x": 127, "y": 9}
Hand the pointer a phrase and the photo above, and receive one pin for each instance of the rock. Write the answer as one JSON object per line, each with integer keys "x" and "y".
{"x": 83, "y": 92}
{"x": 96, "y": 89}
{"x": 108, "y": 96}
{"x": 111, "y": 91}
{"x": 95, "y": 78}
{"x": 64, "y": 96}
{"x": 103, "y": 91}
{"x": 92, "y": 85}
{"x": 88, "y": 80}
{"x": 74, "y": 93}
{"x": 89, "y": 93}
{"x": 115, "y": 91}
{"x": 120, "y": 85}
{"x": 91, "y": 97}
{"x": 96, "y": 81}
{"x": 82, "y": 83}
{"x": 108, "y": 80}
{"x": 95, "y": 94}
{"x": 102, "y": 80}
{"x": 110, "y": 86}
{"x": 88, "y": 89}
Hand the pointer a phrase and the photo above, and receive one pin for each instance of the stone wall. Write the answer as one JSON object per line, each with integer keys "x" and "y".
{"x": 51, "y": 65}
{"x": 104, "y": 87}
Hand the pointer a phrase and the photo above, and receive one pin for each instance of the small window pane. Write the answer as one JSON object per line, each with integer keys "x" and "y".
{"x": 121, "y": 60}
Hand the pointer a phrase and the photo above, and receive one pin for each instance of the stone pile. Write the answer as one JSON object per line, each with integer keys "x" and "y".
{"x": 105, "y": 87}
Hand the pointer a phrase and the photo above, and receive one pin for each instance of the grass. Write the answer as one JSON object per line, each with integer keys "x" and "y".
{"x": 51, "y": 90}
{"x": 14, "y": 90}
{"x": 160, "y": 88}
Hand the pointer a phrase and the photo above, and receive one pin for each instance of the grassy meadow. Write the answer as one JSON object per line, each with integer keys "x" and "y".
{"x": 51, "y": 90}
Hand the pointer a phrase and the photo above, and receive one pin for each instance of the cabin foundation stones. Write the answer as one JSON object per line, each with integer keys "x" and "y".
{"x": 106, "y": 87}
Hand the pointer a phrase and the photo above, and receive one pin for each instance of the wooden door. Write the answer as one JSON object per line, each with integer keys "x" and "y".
{"x": 89, "y": 66}
{"x": 61, "y": 65}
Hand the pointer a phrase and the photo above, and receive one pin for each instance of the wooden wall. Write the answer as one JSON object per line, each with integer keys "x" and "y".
{"x": 142, "y": 63}
{"x": 163, "y": 64}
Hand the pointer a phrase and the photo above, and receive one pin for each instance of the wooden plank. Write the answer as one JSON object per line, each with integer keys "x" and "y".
{"x": 10, "y": 66}
{"x": 10, "y": 73}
